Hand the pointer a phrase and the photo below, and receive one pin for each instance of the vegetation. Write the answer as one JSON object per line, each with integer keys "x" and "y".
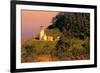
{"x": 53, "y": 32}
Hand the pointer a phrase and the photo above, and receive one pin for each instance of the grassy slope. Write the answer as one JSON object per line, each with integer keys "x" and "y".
{"x": 47, "y": 49}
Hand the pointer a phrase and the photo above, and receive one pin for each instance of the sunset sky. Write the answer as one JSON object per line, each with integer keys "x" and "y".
{"x": 32, "y": 20}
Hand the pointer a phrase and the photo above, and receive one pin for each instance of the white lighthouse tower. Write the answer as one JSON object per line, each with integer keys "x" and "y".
{"x": 42, "y": 33}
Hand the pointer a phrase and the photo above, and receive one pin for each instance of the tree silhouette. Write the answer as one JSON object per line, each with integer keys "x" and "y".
{"x": 72, "y": 24}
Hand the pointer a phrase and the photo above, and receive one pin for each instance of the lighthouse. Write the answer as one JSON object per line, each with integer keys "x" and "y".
{"x": 42, "y": 34}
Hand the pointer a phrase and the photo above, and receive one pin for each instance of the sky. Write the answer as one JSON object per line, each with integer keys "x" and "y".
{"x": 32, "y": 20}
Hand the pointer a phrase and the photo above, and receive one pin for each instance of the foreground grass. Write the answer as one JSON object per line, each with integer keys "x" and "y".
{"x": 37, "y": 51}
